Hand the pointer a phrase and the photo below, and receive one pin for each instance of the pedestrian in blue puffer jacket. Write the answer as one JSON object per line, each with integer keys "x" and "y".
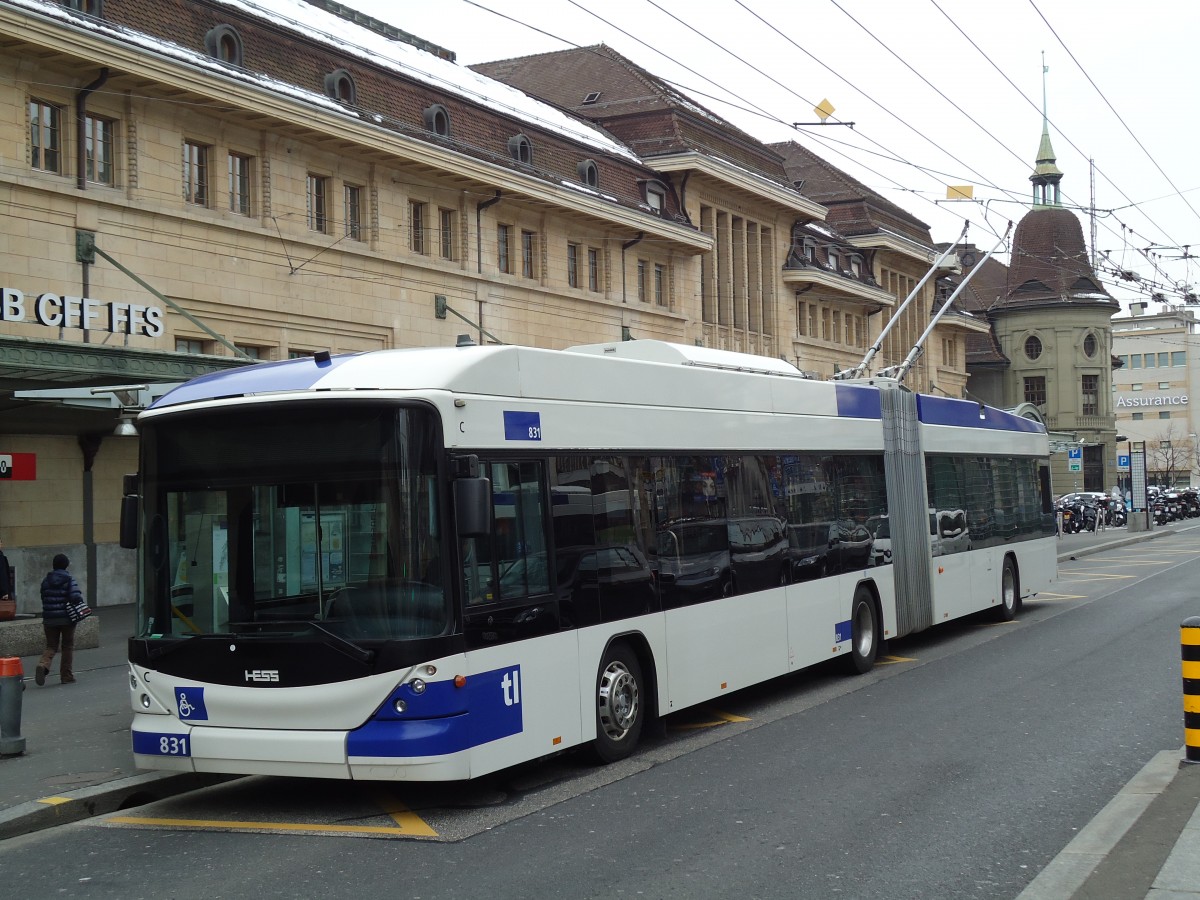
{"x": 58, "y": 589}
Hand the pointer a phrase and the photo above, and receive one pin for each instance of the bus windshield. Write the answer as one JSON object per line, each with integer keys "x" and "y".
{"x": 305, "y": 518}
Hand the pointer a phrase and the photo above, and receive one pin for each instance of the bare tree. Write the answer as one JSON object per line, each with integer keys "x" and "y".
{"x": 1169, "y": 455}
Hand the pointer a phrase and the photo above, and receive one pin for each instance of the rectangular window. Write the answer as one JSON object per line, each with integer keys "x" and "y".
{"x": 1134, "y": 387}
{"x": 1149, "y": 361}
{"x": 1164, "y": 385}
{"x": 416, "y": 226}
{"x": 528, "y": 251}
{"x": 354, "y": 211}
{"x": 1035, "y": 390}
{"x": 1137, "y": 417}
{"x": 1179, "y": 358}
{"x": 317, "y": 198}
{"x": 446, "y": 223}
{"x": 1135, "y": 361}
{"x": 252, "y": 351}
{"x": 573, "y": 265}
{"x": 45, "y": 136}
{"x": 99, "y": 150}
{"x": 503, "y": 260}
{"x": 1165, "y": 414}
{"x": 593, "y": 269}
{"x": 239, "y": 184}
{"x": 660, "y": 296}
{"x": 195, "y": 173}
{"x": 188, "y": 345}
{"x": 1164, "y": 360}
{"x": 641, "y": 280}
{"x": 1124, "y": 360}
{"x": 1091, "y": 393}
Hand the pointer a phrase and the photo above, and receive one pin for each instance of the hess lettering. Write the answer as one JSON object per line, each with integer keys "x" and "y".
{"x": 262, "y": 675}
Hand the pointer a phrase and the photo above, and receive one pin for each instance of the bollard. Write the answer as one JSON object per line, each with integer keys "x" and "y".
{"x": 12, "y": 686}
{"x": 1189, "y": 645}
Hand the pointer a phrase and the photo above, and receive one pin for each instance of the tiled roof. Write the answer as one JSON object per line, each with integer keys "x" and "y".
{"x": 641, "y": 109}
{"x": 1050, "y": 261}
{"x": 853, "y": 207}
{"x": 984, "y": 350}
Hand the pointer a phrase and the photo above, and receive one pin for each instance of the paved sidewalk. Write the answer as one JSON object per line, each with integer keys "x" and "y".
{"x": 78, "y": 763}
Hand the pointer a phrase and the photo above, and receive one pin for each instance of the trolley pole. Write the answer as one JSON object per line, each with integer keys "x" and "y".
{"x": 1189, "y": 641}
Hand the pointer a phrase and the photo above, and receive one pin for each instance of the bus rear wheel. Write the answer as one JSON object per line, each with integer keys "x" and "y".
{"x": 620, "y": 710}
{"x": 864, "y": 633}
{"x": 1010, "y": 592}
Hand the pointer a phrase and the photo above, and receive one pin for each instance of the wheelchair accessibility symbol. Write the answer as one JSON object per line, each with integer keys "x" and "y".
{"x": 189, "y": 702}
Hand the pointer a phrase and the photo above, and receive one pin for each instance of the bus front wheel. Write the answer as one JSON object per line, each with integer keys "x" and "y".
{"x": 1010, "y": 592}
{"x": 620, "y": 710}
{"x": 864, "y": 633}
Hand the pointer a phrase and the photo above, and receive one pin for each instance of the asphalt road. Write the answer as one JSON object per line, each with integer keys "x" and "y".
{"x": 958, "y": 770}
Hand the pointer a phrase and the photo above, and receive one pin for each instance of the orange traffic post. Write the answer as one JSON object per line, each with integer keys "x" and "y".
{"x": 1189, "y": 645}
{"x": 12, "y": 686}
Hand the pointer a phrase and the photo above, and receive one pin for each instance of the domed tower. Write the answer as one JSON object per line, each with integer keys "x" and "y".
{"x": 1054, "y": 326}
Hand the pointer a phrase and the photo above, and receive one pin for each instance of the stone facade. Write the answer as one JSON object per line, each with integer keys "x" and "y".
{"x": 276, "y": 192}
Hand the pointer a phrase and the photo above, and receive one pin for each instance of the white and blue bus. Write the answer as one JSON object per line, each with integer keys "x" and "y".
{"x": 436, "y": 563}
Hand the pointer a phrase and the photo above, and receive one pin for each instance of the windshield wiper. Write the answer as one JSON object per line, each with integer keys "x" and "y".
{"x": 159, "y": 648}
{"x": 344, "y": 644}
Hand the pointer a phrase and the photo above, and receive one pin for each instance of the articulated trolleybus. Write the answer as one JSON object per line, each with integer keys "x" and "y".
{"x": 436, "y": 563}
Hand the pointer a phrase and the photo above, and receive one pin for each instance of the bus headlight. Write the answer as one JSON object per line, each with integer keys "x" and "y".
{"x": 133, "y": 684}
{"x": 145, "y": 701}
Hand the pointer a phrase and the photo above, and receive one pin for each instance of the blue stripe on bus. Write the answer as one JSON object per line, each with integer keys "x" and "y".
{"x": 493, "y": 702}
{"x": 857, "y": 402}
{"x": 969, "y": 414}
{"x": 261, "y": 378}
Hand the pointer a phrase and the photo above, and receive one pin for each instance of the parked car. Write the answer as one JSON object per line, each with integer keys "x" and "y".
{"x": 828, "y": 548}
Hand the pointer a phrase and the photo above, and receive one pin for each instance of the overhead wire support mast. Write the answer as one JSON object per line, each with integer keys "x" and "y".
{"x": 898, "y": 372}
{"x": 863, "y": 367}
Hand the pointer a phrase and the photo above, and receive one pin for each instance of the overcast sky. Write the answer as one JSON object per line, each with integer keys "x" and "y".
{"x": 941, "y": 92}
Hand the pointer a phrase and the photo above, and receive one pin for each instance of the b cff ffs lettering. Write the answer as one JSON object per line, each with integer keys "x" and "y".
{"x": 81, "y": 312}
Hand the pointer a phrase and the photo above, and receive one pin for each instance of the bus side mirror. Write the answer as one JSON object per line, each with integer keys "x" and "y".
{"x": 473, "y": 506}
{"x": 129, "y": 512}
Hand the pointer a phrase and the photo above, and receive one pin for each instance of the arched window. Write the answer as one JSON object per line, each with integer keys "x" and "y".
{"x": 520, "y": 149}
{"x": 588, "y": 173}
{"x": 340, "y": 86}
{"x": 224, "y": 43}
{"x": 437, "y": 120}
{"x": 1033, "y": 346}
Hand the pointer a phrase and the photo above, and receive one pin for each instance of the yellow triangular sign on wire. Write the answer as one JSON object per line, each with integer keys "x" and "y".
{"x": 824, "y": 109}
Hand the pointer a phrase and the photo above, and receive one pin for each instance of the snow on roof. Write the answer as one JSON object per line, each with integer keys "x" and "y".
{"x": 359, "y": 43}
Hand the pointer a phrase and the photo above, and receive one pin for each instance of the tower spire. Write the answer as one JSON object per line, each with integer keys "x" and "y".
{"x": 1046, "y": 175}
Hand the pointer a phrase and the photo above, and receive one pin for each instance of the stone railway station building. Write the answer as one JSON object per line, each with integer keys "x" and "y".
{"x": 192, "y": 185}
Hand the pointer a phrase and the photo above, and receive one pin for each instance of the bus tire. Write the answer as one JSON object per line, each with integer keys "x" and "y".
{"x": 620, "y": 704}
{"x": 864, "y": 633}
{"x": 1010, "y": 591}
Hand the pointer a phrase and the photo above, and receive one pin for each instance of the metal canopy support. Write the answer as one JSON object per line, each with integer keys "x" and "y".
{"x": 86, "y": 251}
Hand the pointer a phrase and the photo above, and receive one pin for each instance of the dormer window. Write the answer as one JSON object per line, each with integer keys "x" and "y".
{"x": 810, "y": 251}
{"x": 520, "y": 149}
{"x": 88, "y": 7}
{"x": 835, "y": 260}
{"x": 224, "y": 43}
{"x": 589, "y": 174}
{"x": 339, "y": 85}
{"x": 856, "y": 266}
{"x": 437, "y": 120}
{"x": 656, "y": 196}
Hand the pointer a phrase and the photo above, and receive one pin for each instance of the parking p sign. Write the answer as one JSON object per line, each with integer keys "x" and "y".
{"x": 1122, "y": 462}
{"x": 1074, "y": 459}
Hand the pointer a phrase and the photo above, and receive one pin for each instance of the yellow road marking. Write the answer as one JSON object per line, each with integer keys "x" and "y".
{"x": 54, "y": 801}
{"x": 408, "y": 820}
{"x": 1054, "y": 598}
{"x": 723, "y": 718}
{"x": 994, "y": 624}
{"x": 273, "y": 826}
{"x": 892, "y": 660}
{"x": 1095, "y": 574}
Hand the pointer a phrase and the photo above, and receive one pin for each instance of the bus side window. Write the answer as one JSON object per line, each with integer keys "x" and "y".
{"x": 519, "y": 540}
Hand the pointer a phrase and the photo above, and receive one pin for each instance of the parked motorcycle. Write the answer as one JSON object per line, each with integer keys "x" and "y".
{"x": 1117, "y": 515}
